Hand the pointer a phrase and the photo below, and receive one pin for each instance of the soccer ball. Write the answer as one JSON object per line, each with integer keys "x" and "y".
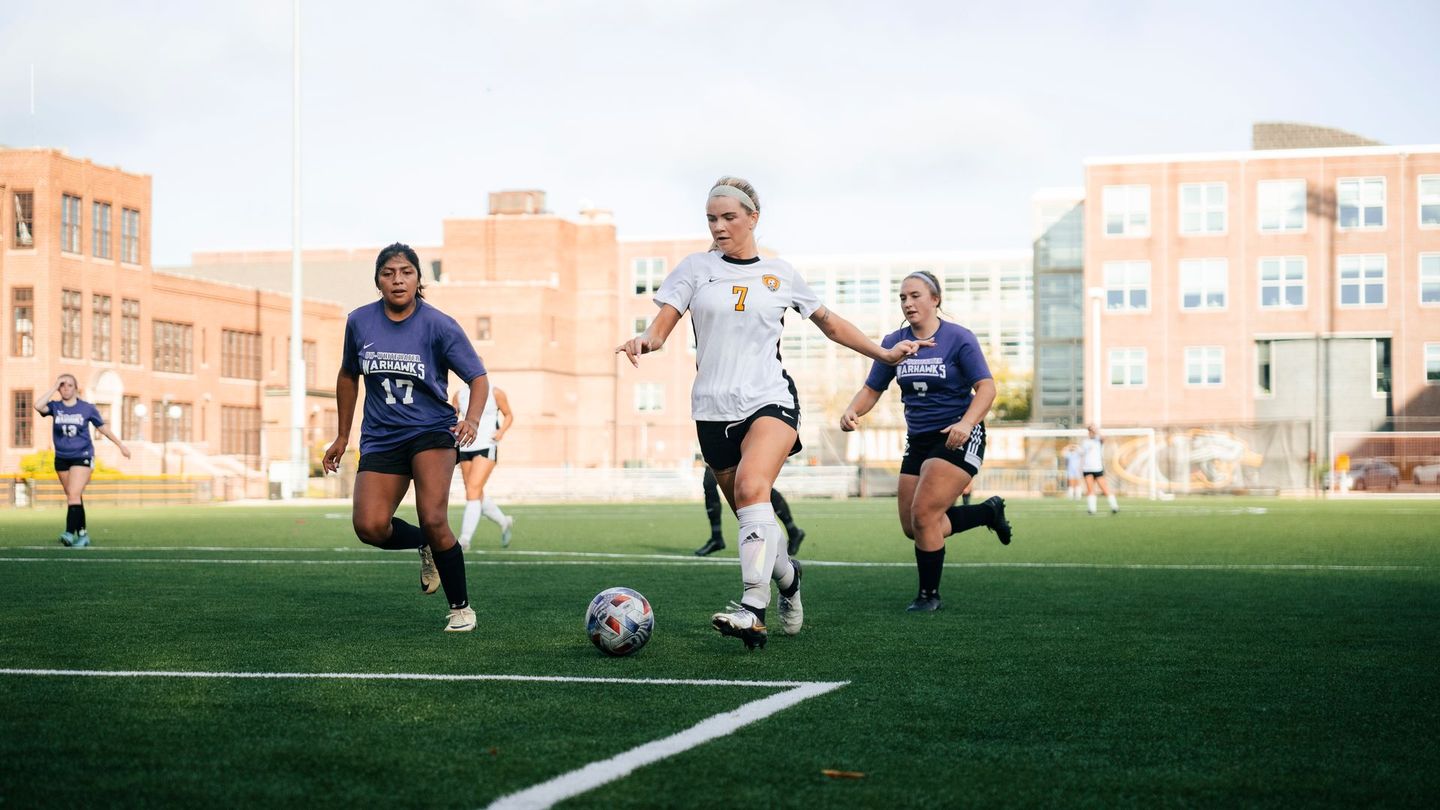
{"x": 619, "y": 621}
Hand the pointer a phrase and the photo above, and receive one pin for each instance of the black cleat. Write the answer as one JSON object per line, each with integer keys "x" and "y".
{"x": 926, "y": 603}
{"x": 711, "y": 546}
{"x": 998, "y": 523}
{"x": 793, "y": 547}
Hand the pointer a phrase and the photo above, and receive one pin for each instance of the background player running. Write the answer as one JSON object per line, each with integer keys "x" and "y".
{"x": 717, "y": 537}
{"x": 74, "y": 450}
{"x": 477, "y": 462}
{"x": 1092, "y": 457}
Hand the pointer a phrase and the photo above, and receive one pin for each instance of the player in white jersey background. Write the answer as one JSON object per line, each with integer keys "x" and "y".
{"x": 478, "y": 460}
{"x": 1092, "y": 461}
{"x": 746, "y": 410}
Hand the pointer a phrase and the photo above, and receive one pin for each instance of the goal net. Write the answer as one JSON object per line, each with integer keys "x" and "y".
{"x": 1129, "y": 459}
{"x": 1384, "y": 462}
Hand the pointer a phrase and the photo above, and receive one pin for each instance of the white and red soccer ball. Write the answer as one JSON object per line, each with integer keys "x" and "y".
{"x": 619, "y": 621}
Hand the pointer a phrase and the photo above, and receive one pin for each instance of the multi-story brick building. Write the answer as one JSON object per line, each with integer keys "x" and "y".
{"x": 193, "y": 367}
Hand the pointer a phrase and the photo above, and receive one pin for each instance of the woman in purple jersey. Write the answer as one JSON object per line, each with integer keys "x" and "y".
{"x": 406, "y": 349}
{"x": 745, "y": 406}
{"x": 947, "y": 390}
{"x": 74, "y": 450}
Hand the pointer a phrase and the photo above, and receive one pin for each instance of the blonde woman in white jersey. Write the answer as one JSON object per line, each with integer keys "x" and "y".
{"x": 478, "y": 460}
{"x": 746, "y": 411}
{"x": 1092, "y": 452}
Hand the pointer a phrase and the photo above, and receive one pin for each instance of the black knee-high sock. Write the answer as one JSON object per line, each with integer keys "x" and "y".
{"x": 73, "y": 520}
{"x": 451, "y": 565}
{"x": 930, "y": 564}
{"x": 968, "y": 517}
{"x": 84, "y": 527}
{"x": 712, "y": 505}
{"x": 782, "y": 511}
{"x": 403, "y": 535}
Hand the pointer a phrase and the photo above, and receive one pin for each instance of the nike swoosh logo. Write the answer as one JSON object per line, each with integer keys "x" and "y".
{"x": 367, "y": 345}
{"x": 712, "y": 280}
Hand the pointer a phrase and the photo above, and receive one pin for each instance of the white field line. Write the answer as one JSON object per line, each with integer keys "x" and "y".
{"x": 566, "y": 785}
{"x": 86, "y": 557}
{"x": 576, "y": 782}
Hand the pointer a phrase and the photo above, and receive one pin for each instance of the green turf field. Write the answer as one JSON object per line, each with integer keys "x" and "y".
{"x": 1210, "y": 651}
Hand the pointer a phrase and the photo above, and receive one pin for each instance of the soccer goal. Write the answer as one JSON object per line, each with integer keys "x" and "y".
{"x": 1129, "y": 458}
{"x": 1380, "y": 461}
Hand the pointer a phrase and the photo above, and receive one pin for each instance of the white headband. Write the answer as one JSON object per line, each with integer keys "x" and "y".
{"x": 731, "y": 191}
{"x": 928, "y": 283}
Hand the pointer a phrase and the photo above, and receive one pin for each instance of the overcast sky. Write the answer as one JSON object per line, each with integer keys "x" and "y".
{"x": 865, "y": 126}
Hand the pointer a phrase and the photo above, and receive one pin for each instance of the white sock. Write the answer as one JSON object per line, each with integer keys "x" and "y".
{"x": 759, "y": 545}
{"x": 1114, "y": 504}
{"x": 491, "y": 510}
{"x": 469, "y": 522}
{"x": 1090, "y": 503}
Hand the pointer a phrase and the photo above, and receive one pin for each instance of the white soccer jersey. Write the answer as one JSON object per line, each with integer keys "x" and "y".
{"x": 1090, "y": 449}
{"x": 489, "y": 420}
{"x": 738, "y": 312}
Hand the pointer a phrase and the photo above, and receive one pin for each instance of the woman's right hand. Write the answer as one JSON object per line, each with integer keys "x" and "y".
{"x": 333, "y": 453}
{"x": 633, "y": 348}
{"x": 849, "y": 420}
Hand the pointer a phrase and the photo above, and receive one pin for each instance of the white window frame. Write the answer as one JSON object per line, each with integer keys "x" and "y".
{"x": 649, "y": 397}
{"x": 1360, "y": 280}
{"x": 1260, "y": 393}
{"x": 1206, "y": 269}
{"x": 1283, "y": 282}
{"x": 1126, "y": 284}
{"x": 1420, "y": 183}
{"x": 1434, "y": 278}
{"x": 1360, "y": 184}
{"x": 1205, "y": 356}
{"x": 1430, "y": 355}
{"x": 1133, "y": 202}
{"x": 651, "y": 269}
{"x": 1206, "y": 207}
{"x": 1281, "y": 185}
{"x": 1128, "y": 361}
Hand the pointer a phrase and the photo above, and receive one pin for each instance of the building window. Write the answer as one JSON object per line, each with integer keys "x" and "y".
{"x": 100, "y": 327}
{"x": 167, "y": 428}
{"x": 1202, "y": 208}
{"x": 649, "y": 397}
{"x": 1430, "y": 278}
{"x": 1362, "y": 202}
{"x": 24, "y": 219}
{"x": 1432, "y": 363}
{"x": 309, "y": 354}
{"x": 22, "y": 336}
{"x": 130, "y": 331}
{"x": 1429, "y": 200}
{"x": 1382, "y": 367}
{"x": 482, "y": 328}
{"x": 1362, "y": 280}
{"x": 1203, "y": 283}
{"x": 1263, "y": 378}
{"x": 239, "y": 431}
{"x": 129, "y": 419}
{"x": 648, "y": 273}
{"x": 100, "y": 229}
{"x": 1205, "y": 365}
{"x": 71, "y": 302}
{"x": 1127, "y": 286}
{"x": 1127, "y": 368}
{"x": 1282, "y": 282}
{"x": 1127, "y": 210}
{"x": 69, "y": 223}
{"x": 174, "y": 347}
{"x": 130, "y": 235}
{"x": 1061, "y": 305}
{"x": 1282, "y": 205}
{"x": 239, "y": 354}
{"x": 23, "y": 426}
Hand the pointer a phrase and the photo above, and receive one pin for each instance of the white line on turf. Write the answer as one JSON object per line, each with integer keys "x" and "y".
{"x": 405, "y": 676}
{"x": 87, "y": 557}
{"x": 595, "y": 774}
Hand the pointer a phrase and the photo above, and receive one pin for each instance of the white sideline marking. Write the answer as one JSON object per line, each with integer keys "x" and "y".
{"x": 595, "y": 774}
{"x": 84, "y": 557}
{"x": 566, "y": 785}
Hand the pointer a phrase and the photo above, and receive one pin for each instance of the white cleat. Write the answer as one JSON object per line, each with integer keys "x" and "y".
{"x": 739, "y": 622}
{"x": 429, "y": 575}
{"x": 461, "y": 621}
{"x": 505, "y": 532}
{"x": 792, "y": 613}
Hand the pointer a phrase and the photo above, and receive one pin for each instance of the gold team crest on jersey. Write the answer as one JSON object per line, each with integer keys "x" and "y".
{"x": 772, "y": 283}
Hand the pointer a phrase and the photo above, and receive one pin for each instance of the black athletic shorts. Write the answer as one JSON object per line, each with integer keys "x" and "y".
{"x": 492, "y": 453}
{"x": 720, "y": 441}
{"x": 1095, "y": 473}
{"x": 921, "y": 447}
{"x": 62, "y": 464}
{"x": 398, "y": 461}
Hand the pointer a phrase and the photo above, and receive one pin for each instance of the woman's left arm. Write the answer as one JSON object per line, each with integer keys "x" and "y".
{"x": 105, "y": 431}
{"x": 958, "y": 433}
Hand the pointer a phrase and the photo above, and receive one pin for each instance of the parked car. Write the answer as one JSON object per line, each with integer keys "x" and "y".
{"x": 1426, "y": 474}
{"x": 1376, "y": 474}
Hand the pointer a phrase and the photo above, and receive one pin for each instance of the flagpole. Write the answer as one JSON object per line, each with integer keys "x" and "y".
{"x": 300, "y": 463}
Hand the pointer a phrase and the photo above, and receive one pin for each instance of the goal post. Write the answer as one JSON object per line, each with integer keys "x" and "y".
{"x": 1130, "y": 463}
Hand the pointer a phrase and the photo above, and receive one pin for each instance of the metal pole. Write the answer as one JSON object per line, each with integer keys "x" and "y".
{"x": 1096, "y": 295}
{"x": 299, "y": 472}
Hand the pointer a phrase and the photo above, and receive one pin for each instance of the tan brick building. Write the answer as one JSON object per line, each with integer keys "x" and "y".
{"x": 80, "y": 296}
